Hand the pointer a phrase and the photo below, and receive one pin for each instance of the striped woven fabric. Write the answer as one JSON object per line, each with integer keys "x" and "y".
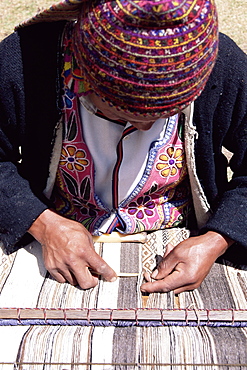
{"x": 118, "y": 344}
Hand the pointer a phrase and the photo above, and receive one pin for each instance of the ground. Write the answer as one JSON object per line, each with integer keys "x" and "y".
{"x": 232, "y": 16}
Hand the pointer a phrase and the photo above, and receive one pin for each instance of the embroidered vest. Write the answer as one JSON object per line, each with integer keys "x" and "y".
{"x": 160, "y": 200}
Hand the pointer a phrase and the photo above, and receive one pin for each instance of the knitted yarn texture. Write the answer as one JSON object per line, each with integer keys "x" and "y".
{"x": 148, "y": 57}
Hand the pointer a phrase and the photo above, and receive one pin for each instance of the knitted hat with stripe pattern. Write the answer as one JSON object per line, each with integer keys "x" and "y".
{"x": 146, "y": 56}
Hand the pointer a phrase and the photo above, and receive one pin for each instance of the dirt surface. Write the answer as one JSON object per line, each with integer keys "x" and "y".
{"x": 232, "y": 16}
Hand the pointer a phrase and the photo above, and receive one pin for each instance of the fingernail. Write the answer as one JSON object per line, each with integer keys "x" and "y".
{"x": 154, "y": 274}
{"x": 147, "y": 276}
{"x": 113, "y": 279}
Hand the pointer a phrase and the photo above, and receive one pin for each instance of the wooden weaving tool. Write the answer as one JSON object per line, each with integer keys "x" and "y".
{"x": 116, "y": 237}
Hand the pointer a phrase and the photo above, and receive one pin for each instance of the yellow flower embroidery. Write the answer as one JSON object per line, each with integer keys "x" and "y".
{"x": 171, "y": 162}
{"x": 73, "y": 158}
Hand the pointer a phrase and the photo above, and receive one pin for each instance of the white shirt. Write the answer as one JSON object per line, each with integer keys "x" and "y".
{"x": 102, "y": 137}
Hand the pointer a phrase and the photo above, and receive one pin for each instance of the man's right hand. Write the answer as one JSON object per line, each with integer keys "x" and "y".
{"x": 68, "y": 251}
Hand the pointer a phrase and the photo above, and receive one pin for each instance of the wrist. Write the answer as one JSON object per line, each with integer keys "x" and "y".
{"x": 38, "y": 226}
{"x": 219, "y": 242}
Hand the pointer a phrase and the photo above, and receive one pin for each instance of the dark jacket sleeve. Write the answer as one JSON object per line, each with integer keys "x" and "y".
{"x": 19, "y": 207}
{"x": 221, "y": 119}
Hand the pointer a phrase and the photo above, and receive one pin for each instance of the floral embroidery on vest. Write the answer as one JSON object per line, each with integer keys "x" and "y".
{"x": 162, "y": 199}
{"x": 73, "y": 193}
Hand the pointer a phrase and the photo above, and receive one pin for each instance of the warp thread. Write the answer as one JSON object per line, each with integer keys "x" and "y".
{"x": 120, "y": 323}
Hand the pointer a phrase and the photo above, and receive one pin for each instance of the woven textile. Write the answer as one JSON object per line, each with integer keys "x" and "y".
{"x": 25, "y": 283}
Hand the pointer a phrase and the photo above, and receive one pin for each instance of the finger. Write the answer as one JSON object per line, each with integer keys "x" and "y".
{"x": 100, "y": 267}
{"x": 57, "y": 276}
{"x": 166, "y": 266}
{"x": 162, "y": 265}
{"x": 63, "y": 276}
{"x": 159, "y": 289}
{"x": 169, "y": 248}
{"x": 75, "y": 274}
{"x": 84, "y": 277}
{"x": 161, "y": 271}
{"x": 185, "y": 288}
{"x": 70, "y": 278}
{"x": 147, "y": 276}
{"x": 162, "y": 286}
{"x": 175, "y": 281}
{"x": 87, "y": 277}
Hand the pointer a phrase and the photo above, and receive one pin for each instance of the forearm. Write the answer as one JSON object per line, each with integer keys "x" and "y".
{"x": 229, "y": 218}
{"x": 19, "y": 207}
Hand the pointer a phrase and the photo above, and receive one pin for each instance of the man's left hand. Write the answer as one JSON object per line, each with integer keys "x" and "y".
{"x": 186, "y": 265}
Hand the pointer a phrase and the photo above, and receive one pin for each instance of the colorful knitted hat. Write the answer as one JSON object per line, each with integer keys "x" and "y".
{"x": 145, "y": 56}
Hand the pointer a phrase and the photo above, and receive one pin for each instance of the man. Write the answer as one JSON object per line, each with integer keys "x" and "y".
{"x": 149, "y": 72}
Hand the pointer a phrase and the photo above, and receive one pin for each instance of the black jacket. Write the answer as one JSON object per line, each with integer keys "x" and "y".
{"x": 29, "y": 111}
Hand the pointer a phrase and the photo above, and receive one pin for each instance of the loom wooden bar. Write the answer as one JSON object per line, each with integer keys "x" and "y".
{"x": 124, "y": 314}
